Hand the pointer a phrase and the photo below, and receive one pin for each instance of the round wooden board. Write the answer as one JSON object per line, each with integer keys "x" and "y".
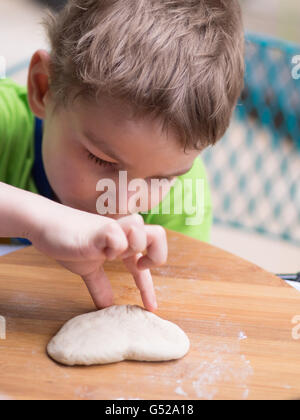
{"x": 238, "y": 318}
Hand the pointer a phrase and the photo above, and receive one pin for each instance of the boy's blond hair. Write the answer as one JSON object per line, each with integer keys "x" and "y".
{"x": 180, "y": 60}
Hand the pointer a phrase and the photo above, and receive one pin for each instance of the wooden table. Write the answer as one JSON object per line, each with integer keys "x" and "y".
{"x": 237, "y": 316}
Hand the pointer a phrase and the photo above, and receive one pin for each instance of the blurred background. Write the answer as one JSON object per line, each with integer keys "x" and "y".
{"x": 255, "y": 170}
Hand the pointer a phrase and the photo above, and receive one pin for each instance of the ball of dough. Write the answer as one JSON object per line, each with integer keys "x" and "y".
{"x": 120, "y": 332}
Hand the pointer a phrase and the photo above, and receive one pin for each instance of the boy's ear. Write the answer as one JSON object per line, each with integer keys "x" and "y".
{"x": 38, "y": 82}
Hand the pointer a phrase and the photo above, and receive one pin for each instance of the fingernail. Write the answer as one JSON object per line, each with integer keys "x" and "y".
{"x": 154, "y": 306}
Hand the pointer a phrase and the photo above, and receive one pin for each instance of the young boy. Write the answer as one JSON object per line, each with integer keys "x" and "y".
{"x": 135, "y": 87}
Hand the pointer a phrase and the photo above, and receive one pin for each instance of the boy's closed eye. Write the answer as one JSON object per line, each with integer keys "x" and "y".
{"x": 114, "y": 165}
{"x": 101, "y": 162}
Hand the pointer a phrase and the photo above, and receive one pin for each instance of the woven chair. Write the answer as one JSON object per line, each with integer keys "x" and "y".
{"x": 254, "y": 170}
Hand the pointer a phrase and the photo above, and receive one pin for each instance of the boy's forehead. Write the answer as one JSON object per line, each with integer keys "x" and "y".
{"x": 104, "y": 102}
{"x": 109, "y": 115}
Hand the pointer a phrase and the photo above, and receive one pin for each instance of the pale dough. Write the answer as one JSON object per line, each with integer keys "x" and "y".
{"x": 118, "y": 333}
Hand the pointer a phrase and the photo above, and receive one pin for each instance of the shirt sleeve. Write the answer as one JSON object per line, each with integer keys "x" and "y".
{"x": 16, "y": 136}
{"x": 187, "y": 208}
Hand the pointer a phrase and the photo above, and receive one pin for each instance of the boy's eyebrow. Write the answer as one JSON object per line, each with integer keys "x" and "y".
{"x": 109, "y": 152}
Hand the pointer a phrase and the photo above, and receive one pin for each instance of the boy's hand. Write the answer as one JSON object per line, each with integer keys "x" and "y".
{"x": 82, "y": 242}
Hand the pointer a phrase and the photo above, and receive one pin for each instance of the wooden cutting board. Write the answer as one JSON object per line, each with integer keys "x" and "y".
{"x": 238, "y": 318}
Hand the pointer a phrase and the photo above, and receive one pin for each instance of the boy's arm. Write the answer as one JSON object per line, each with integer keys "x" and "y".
{"x": 15, "y": 220}
{"x": 192, "y": 191}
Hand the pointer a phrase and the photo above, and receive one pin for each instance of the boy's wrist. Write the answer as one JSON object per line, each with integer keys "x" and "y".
{"x": 35, "y": 216}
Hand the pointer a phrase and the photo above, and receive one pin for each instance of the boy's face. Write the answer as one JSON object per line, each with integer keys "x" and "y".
{"x": 89, "y": 142}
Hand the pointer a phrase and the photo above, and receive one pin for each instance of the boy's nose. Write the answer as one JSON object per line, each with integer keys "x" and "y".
{"x": 117, "y": 216}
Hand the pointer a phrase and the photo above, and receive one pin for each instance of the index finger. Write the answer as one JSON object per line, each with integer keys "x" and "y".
{"x": 144, "y": 282}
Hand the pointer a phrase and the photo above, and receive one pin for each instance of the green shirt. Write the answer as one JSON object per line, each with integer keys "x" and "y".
{"x": 16, "y": 136}
{"x": 17, "y": 159}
